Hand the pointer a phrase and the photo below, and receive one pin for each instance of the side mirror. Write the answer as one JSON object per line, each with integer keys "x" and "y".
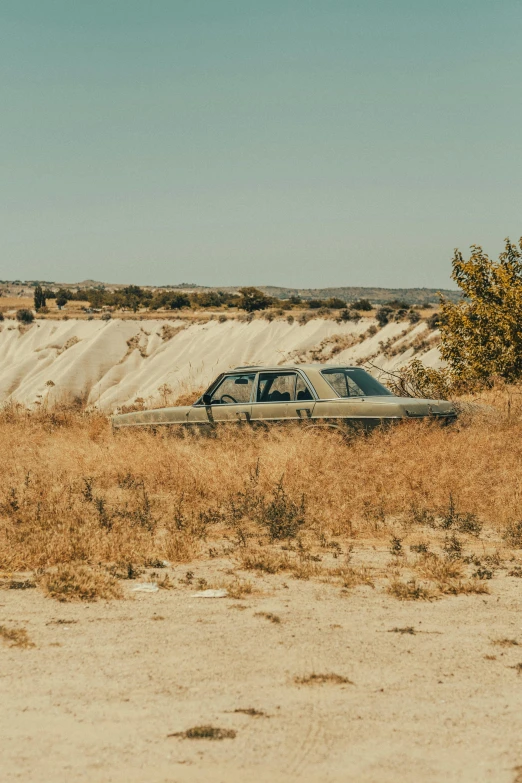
{"x": 207, "y": 399}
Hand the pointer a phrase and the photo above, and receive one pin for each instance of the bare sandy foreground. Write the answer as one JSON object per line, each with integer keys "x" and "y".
{"x": 106, "y": 683}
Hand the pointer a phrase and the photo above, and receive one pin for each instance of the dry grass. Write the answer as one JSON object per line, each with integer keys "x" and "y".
{"x": 272, "y": 618}
{"x": 323, "y": 679}
{"x": 265, "y": 560}
{"x": 15, "y": 637}
{"x": 410, "y": 590}
{"x": 352, "y": 577}
{"x": 286, "y": 500}
{"x": 506, "y": 642}
{"x": 205, "y": 732}
{"x": 71, "y": 582}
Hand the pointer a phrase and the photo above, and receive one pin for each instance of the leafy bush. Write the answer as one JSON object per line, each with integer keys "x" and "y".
{"x": 348, "y": 315}
{"x": 178, "y": 301}
{"x": 253, "y": 299}
{"x": 383, "y": 315}
{"x": 481, "y": 335}
{"x": 362, "y": 304}
{"x": 25, "y": 316}
{"x": 335, "y": 303}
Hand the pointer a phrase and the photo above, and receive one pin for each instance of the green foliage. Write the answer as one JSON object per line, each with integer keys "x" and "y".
{"x": 335, "y": 303}
{"x": 362, "y": 304}
{"x": 383, "y": 315}
{"x": 24, "y": 316}
{"x": 481, "y": 335}
{"x": 39, "y": 298}
{"x": 253, "y": 299}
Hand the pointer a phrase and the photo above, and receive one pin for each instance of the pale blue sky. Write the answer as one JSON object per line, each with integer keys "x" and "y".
{"x": 282, "y": 142}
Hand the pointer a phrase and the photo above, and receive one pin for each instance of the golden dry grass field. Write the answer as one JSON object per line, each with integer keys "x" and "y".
{"x": 371, "y": 629}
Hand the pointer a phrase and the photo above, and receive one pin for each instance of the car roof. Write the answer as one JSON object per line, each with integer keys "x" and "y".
{"x": 269, "y": 368}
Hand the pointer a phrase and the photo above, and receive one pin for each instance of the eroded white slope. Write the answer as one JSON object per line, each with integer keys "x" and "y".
{"x": 111, "y": 363}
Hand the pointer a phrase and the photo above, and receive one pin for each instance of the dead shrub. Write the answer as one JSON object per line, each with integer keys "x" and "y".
{"x": 463, "y": 587}
{"x": 71, "y": 582}
{"x": 15, "y": 637}
{"x": 409, "y": 591}
{"x": 272, "y": 618}
{"x": 437, "y": 569}
{"x": 513, "y": 534}
{"x": 205, "y": 732}
{"x": 268, "y": 561}
{"x": 352, "y": 577}
{"x": 323, "y": 679}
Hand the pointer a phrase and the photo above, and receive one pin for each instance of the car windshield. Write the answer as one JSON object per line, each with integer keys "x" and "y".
{"x": 233, "y": 389}
{"x": 354, "y": 382}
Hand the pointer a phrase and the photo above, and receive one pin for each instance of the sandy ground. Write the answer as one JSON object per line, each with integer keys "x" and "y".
{"x": 106, "y": 683}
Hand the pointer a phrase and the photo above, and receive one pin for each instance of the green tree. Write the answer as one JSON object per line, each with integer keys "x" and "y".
{"x": 39, "y": 298}
{"x": 481, "y": 335}
{"x": 253, "y": 299}
{"x": 177, "y": 301}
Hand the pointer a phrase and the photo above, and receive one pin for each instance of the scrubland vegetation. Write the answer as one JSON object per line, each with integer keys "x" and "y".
{"x": 417, "y": 510}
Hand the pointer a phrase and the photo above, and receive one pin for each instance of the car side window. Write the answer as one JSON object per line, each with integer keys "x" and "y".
{"x": 343, "y": 384}
{"x": 302, "y": 392}
{"x": 233, "y": 389}
{"x": 276, "y": 387}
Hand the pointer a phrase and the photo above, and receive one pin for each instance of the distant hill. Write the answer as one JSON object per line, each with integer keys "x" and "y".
{"x": 347, "y": 293}
{"x": 377, "y": 295}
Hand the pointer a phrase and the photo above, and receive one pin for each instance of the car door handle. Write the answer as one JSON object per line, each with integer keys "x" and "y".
{"x": 304, "y": 413}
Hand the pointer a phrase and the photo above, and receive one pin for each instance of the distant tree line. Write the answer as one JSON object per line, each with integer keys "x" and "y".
{"x": 133, "y": 297}
{"x": 250, "y": 299}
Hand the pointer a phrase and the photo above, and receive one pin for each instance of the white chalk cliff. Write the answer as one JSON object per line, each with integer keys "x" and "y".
{"x": 111, "y": 363}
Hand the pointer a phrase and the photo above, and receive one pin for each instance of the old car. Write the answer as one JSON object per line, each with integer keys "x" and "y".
{"x": 313, "y": 394}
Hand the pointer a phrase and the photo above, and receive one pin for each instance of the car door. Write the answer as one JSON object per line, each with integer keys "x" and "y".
{"x": 348, "y": 400}
{"x": 231, "y": 399}
{"x": 281, "y": 396}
